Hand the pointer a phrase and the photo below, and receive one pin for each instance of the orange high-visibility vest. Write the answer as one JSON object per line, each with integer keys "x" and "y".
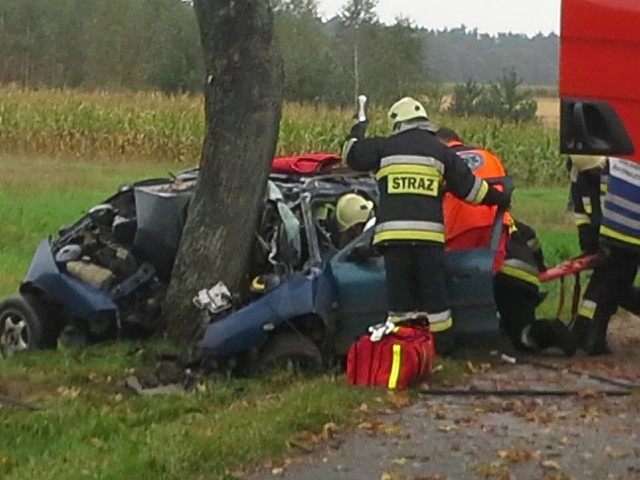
{"x": 460, "y": 216}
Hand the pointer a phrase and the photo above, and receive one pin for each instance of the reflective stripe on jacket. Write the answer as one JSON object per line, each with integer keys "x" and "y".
{"x": 524, "y": 259}
{"x": 586, "y": 195}
{"x": 412, "y": 167}
{"x": 621, "y": 216}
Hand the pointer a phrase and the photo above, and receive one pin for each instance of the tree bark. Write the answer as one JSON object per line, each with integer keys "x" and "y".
{"x": 243, "y": 102}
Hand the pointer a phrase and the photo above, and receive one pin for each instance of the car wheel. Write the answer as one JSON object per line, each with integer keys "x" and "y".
{"x": 290, "y": 350}
{"x": 22, "y": 326}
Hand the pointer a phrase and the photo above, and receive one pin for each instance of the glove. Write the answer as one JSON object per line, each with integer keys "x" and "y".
{"x": 496, "y": 197}
{"x": 381, "y": 330}
{"x": 359, "y": 130}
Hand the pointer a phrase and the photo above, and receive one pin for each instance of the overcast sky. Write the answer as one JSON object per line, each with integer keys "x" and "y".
{"x": 521, "y": 16}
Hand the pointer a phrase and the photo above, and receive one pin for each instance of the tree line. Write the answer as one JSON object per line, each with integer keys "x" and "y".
{"x": 154, "y": 44}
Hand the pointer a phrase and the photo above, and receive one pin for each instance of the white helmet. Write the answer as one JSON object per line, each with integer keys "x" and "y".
{"x": 407, "y": 109}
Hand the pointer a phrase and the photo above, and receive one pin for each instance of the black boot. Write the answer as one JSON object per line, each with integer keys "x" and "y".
{"x": 445, "y": 342}
{"x": 554, "y": 333}
{"x": 580, "y": 328}
{"x": 595, "y": 343}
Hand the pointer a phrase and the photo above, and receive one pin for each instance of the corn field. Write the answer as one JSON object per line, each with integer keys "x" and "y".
{"x": 169, "y": 129}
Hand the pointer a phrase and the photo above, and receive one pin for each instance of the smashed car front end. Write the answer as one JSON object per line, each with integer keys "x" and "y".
{"x": 301, "y": 296}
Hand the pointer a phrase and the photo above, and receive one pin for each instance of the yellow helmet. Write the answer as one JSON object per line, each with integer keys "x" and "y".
{"x": 407, "y": 109}
{"x": 587, "y": 162}
{"x": 351, "y": 210}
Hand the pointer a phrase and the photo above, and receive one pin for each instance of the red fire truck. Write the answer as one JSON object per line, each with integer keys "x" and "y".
{"x": 600, "y": 77}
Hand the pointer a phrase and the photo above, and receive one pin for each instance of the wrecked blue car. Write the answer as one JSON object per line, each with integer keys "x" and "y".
{"x": 315, "y": 314}
{"x": 105, "y": 276}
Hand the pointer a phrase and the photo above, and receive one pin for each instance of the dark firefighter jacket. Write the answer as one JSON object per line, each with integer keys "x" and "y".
{"x": 524, "y": 260}
{"x": 411, "y": 167}
{"x": 586, "y": 193}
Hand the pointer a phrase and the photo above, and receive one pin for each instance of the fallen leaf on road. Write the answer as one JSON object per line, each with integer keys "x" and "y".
{"x": 329, "y": 430}
{"x": 440, "y": 415}
{"x": 550, "y": 464}
{"x": 390, "y": 476}
{"x": 305, "y": 441}
{"x": 447, "y": 428}
{"x": 493, "y": 470}
{"x": 305, "y": 446}
{"x": 279, "y": 471}
{"x": 611, "y": 453}
{"x": 516, "y": 456}
{"x": 363, "y": 407}
{"x": 391, "y": 430}
{"x": 589, "y": 394}
{"x": 399, "y": 399}
{"x": 400, "y": 461}
{"x": 365, "y": 425}
{"x": 479, "y": 368}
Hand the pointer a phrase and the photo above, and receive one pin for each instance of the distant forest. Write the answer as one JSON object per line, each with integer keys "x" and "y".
{"x": 154, "y": 45}
{"x": 459, "y": 54}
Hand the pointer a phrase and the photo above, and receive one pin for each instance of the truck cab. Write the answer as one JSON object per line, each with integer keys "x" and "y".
{"x": 600, "y": 78}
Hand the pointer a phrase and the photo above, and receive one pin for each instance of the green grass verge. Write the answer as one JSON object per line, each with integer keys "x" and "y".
{"x": 89, "y": 428}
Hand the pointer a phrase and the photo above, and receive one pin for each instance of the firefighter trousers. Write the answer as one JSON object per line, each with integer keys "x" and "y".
{"x": 416, "y": 284}
{"x": 610, "y": 287}
{"x": 517, "y": 307}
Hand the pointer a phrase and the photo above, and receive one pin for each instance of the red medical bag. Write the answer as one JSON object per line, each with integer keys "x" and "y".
{"x": 399, "y": 360}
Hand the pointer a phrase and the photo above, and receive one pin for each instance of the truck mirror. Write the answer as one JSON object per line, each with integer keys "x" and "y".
{"x": 593, "y": 128}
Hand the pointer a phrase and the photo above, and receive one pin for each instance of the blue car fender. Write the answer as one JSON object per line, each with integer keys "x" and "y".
{"x": 76, "y": 298}
{"x": 249, "y": 327}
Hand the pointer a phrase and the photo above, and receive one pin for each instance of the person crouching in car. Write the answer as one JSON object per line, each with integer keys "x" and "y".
{"x": 353, "y": 211}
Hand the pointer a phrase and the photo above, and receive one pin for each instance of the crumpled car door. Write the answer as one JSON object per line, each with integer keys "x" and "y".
{"x": 361, "y": 291}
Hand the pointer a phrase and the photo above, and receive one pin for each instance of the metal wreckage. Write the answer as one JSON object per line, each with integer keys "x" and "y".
{"x": 105, "y": 276}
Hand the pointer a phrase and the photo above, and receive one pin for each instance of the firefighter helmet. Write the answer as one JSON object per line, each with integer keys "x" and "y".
{"x": 351, "y": 210}
{"x": 407, "y": 109}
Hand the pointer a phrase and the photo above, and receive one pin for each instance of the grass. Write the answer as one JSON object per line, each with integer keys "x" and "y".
{"x": 90, "y": 428}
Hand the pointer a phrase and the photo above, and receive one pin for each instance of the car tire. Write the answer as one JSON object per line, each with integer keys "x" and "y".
{"x": 290, "y": 349}
{"x": 24, "y": 325}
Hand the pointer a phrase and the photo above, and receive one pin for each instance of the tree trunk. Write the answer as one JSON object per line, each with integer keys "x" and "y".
{"x": 243, "y": 102}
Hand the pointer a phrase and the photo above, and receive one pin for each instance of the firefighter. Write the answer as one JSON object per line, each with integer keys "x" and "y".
{"x": 612, "y": 281}
{"x": 587, "y": 186}
{"x": 468, "y": 226}
{"x": 353, "y": 211}
{"x": 517, "y": 295}
{"x": 411, "y": 166}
